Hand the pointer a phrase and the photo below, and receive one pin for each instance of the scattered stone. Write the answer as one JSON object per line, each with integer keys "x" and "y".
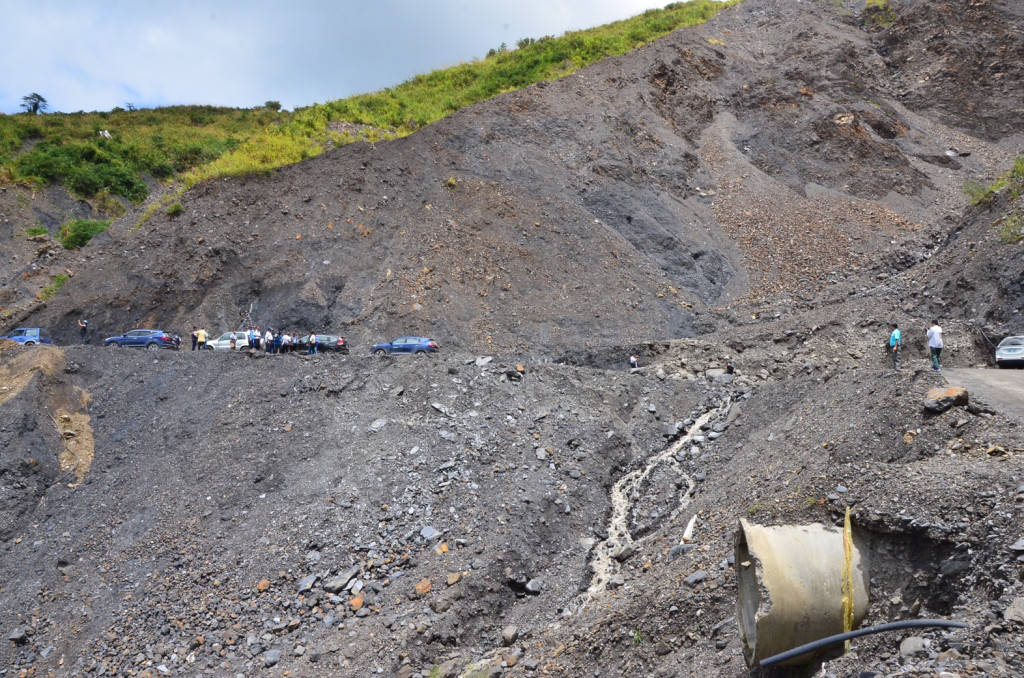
{"x": 696, "y": 578}
{"x": 1018, "y": 545}
{"x": 422, "y": 588}
{"x": 271, "y": 658}
{"x": 18, "y": 636}
{"x": 429, "y": 533}
{"x": 509, "y": 636}
{"x": 534, "y": 587}
{"x": 306, "y": 583}
{"x": 913, "y": 645}
{"x": 337, "y": 584}
{"x": 951, "y": 568}
{"x": 678, "y": 550}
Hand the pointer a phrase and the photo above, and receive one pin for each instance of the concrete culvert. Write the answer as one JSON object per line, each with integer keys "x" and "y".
{"x": 790, "y": 587}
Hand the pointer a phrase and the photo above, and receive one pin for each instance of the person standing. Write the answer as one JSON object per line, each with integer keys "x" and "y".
{"x": 233, "y": 341}
{"x": 83, "y": 329}
{"x": 312, "y": 348}
{"x": 634, "y": 362}
{"x": 195, "y": 337}
{"x": 935, "y": 345}
{"x": 267, "y": 339}
{"x": 895, "y": 345}
{"x": 201, "y": 338}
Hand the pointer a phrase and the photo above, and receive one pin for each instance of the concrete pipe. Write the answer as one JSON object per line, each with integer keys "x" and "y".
{"x": 790, "y": 581}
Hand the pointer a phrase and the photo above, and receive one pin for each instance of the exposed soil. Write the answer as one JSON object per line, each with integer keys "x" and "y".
{"x": 772, "y": 188}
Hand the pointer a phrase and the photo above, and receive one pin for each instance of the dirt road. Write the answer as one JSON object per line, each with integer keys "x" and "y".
{"x": 1002, "y": 389}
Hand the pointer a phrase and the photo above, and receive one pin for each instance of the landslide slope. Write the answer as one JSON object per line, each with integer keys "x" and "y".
{"x": 772, "y": 151}
{"x": 777, "y": 176}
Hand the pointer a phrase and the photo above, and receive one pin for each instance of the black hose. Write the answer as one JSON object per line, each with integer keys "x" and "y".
{"x": 842, "y": 637}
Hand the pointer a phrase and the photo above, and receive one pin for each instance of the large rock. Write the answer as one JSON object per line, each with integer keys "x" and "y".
{"x": 1015, "y": 611}
{"x": 941, "y": 398}
{"x": 336, "y": 584}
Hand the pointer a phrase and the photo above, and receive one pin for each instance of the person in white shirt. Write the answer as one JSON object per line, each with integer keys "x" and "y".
{"x": 935, "y": 344}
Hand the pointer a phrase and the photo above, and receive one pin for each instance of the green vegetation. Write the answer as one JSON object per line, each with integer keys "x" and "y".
{"x": 1010, "y": 228}
{"x": 79, "y": 232}
{"x": 175, "y": 209}
{"x": 94, "y": 152}
{"x": 36, "y": 230}
{"x": 879, "y": 14}
{"x": 1009, "y": 224}
{"x": 638, "y": 637}
{"x": 53, "y": 287}
{"x": 68, "y": 148}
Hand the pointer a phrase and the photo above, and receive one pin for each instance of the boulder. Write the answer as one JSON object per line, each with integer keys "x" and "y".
{"x": 941, "y": 398}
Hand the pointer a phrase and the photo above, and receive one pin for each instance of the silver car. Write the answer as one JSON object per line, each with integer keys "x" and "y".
{"x": 1010, "y": 352}
{"x": 223, "y": 342}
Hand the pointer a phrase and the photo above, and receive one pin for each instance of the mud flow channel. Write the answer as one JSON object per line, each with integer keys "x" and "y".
{"x": 624, "y": 497}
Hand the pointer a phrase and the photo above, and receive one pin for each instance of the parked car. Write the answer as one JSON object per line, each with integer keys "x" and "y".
{"x": 29, "y": 336}
{"x": 150, "y": 340}
{"x": 330, "y": 343}
{"x": 223, "y": 342}
{"x": 406, "y": 345}
{"x": 1010, "y": 352}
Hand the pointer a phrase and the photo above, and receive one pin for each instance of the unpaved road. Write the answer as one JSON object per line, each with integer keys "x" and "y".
{"x": 1002, "y": 389}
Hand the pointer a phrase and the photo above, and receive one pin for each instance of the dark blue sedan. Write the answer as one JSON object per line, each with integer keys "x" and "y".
{"x": 150, "y": 340}
{"x": 405, "y": 346}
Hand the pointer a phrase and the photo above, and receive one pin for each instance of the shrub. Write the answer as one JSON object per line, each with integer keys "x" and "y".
{"x": 78, "y": 233}
{"x": 1011, "y": 228}
{"x": 878, "y": 14}
{"x": 54, "y": 287}
{"x": 107, "y": 204}
{"x": 175, "y": 209}
{"x": 36, "y": 230}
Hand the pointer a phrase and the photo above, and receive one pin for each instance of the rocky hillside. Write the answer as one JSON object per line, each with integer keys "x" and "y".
{"x": 770, "y": 189}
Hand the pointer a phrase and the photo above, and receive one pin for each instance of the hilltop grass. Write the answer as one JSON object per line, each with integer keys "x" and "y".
{"x": 197, "y": 143}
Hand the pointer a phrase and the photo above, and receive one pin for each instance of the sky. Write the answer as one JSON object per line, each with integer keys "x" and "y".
{"x": 95, "y": 55}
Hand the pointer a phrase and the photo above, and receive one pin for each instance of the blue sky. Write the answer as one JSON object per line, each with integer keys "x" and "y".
{"x": 94, "y": 55}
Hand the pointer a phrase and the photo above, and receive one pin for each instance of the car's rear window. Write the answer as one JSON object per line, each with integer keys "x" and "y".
{"x": 1012, "y": 341}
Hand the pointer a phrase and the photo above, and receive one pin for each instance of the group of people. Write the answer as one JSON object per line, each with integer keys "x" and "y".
{"x": 934, "y": 345}
{"x": 269, "y": 341}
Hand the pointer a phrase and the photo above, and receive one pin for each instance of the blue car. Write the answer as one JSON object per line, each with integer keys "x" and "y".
{"x": 150, "y": 340}
{"x": 29, "y": 336}
{"x": 405, "y": 346}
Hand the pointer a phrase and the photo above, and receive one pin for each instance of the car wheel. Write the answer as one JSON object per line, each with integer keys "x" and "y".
{"x": 381, "y": 352}
{"x": 114, "y": 343}
{"x": 152, "y": 347}
{"x": 30, "y": 343}
{"x": 421, "y": 352}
